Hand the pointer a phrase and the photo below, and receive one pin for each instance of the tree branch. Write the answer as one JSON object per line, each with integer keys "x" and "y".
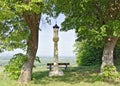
{"x": 112, "y": 10}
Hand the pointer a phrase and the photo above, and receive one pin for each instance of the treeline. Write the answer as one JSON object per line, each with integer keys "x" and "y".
{"x": 88, "y": 54}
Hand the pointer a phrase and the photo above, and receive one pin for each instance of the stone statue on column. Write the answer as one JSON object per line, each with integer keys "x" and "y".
{"x": 55, "y": 70}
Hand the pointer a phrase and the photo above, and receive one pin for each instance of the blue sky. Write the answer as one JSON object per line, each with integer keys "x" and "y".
{"x": 46, "y": 44}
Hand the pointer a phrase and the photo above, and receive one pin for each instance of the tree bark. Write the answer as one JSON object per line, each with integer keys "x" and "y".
{"x": 107, "y": 58}
{"x": 32, "y": 21}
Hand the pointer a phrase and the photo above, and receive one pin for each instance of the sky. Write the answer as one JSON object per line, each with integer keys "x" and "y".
{"x": 46, "y": 44}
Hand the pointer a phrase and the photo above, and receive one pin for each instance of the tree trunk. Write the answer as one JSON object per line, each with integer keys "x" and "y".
{"x": 107, "y": 58}
{"x": 32, "y": 21}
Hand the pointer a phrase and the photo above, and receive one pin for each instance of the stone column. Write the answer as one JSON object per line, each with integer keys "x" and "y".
{"x": 55, "y": 70}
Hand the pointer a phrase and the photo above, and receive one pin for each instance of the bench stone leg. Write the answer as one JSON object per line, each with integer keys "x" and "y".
{"x": 50, "y": 67}
{"x": 66, "y": 67}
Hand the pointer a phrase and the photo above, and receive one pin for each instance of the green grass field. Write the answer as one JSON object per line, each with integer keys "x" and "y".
{"x": 74, "y": 76}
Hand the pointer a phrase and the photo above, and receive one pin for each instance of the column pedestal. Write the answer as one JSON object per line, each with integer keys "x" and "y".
{"x": 56, "y": 73}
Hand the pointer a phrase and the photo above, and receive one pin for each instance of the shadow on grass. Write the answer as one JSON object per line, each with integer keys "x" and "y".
{"x": 72, "y": 76}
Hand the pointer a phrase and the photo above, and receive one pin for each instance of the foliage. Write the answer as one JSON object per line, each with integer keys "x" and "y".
{"x": 16, "y": 37}
{"x": 37, "y": 59}
{"x": 33, "y": 6}
{"x": 90, "y": 18}
{"x": 14, "y": 32}
{"x": 15, "y": 64}
{"x": 109, "y": 73}
{"x": 5, "y": 11}
{"x": 88, "y": 55}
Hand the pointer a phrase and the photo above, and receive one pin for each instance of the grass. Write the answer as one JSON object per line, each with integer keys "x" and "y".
{"x": 74, "y": 76}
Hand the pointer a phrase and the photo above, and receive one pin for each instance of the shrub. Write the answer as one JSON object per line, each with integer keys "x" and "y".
{"x": 88, "y": 55}
{"x": 109, "y": 73}
{"x": 15, "y": 64}
{"x": 13, "y": 68}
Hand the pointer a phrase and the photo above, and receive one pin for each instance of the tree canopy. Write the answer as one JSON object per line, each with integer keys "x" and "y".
{"x": 95, "y": 21}
{"x": 14, "y": 30}
{"x": 92, "y": 19}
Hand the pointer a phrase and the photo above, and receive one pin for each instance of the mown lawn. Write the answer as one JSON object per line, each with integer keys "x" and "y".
{"x": 74, "y": 76}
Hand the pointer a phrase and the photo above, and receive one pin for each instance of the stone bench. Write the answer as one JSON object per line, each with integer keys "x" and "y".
{"x": 61, "y": 65}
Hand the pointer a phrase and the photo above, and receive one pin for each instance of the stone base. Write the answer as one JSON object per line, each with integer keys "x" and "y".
{"x": 56, "y": 73}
